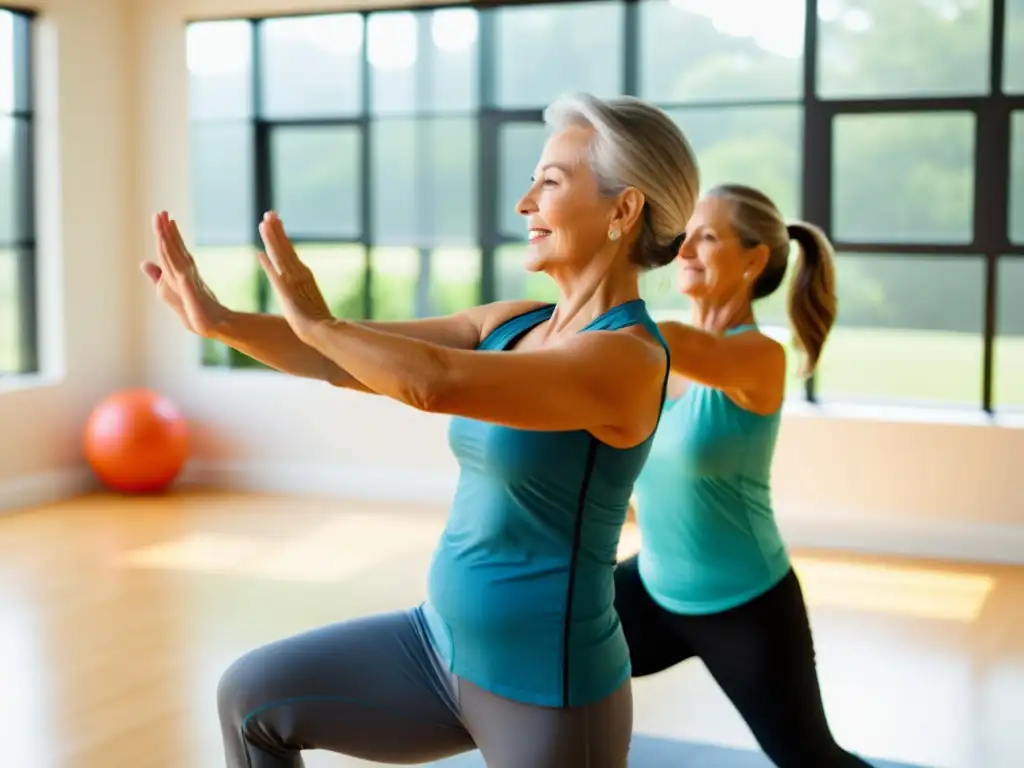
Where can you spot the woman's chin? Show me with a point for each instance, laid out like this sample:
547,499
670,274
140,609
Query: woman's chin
535,263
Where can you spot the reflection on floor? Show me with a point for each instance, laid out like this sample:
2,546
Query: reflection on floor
117,617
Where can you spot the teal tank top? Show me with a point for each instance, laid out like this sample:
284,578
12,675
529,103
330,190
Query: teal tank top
521,587
709,537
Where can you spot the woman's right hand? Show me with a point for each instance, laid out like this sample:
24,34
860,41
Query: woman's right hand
178,283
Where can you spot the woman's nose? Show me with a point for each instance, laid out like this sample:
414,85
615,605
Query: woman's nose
526,204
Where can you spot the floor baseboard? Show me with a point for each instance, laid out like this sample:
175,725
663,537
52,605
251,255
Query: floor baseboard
976,542
18,493
369,483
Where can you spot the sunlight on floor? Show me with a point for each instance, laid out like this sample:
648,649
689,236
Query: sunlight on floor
352,543
901,590
331,552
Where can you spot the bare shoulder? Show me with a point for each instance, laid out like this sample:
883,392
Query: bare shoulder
771,350
628,354
752,342
487,317
767,357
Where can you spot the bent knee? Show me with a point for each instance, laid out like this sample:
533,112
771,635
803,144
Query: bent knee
245,686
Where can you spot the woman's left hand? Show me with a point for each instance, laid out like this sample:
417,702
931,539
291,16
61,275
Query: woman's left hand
302,304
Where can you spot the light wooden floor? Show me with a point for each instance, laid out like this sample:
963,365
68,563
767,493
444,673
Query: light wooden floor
117,618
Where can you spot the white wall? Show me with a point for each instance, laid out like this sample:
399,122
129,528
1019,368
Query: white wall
86,114
900,481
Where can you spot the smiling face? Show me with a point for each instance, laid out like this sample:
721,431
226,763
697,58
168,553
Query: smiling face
713,263
567,218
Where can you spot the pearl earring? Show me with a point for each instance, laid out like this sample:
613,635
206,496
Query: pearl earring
613,234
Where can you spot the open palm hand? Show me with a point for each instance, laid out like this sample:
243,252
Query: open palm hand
178,283
302,304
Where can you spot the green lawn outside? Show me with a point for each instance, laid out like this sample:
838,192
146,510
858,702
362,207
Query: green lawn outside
858,364
10,326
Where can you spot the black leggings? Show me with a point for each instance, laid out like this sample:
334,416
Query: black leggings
760,653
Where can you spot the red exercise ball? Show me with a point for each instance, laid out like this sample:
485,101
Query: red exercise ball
136,441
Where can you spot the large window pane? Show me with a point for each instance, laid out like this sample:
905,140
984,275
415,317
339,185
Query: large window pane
10,313
231,273
1013,62
879,48
6,62
219,57
729,50
396,277
424,181
315,177
340,271
423,61
757,146
903,178
515,282
222,183
546,50
1017,178
21,29
909,328
417,282
312,66
13,176
454,280
520,147
1009,346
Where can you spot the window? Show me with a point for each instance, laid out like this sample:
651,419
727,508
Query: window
18,328
396,144
723,51
912,48
543,51
900,178
760,146
1009,350
1013,47
909,328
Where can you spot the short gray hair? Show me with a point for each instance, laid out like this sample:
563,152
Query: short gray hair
636,144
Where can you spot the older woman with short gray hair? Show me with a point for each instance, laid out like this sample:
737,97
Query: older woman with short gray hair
517,649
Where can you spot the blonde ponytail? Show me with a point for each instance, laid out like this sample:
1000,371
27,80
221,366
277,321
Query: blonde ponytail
812,293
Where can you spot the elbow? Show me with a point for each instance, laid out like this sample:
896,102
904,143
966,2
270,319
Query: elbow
429,386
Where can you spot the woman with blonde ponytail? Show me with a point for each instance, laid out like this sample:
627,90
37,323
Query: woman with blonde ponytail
713,579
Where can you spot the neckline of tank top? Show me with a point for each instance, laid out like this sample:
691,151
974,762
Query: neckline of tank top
548,310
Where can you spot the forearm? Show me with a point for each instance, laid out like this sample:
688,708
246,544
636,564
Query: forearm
269,339
405,369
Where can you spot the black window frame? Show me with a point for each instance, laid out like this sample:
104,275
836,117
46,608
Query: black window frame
992,113
24,242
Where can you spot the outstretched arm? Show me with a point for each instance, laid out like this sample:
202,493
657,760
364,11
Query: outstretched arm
604,382
751,367
566,387
269,339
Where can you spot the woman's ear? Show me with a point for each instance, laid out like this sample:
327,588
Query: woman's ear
757,259
628,209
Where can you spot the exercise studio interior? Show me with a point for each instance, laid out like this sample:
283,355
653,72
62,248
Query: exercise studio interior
513,384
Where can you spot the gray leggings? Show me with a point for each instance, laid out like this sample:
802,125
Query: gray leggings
373,688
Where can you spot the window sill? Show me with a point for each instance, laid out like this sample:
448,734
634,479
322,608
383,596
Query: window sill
20,382
904,414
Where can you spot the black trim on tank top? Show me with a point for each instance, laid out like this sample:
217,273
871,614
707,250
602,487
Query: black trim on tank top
588,472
